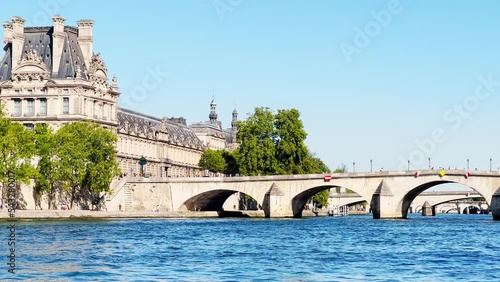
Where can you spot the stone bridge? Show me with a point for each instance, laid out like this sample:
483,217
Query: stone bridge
434,198
390,194
439,201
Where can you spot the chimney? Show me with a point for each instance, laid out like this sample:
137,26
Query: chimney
57,42
85,39
7,31
17,36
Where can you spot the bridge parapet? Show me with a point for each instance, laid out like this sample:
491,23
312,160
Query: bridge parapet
400,187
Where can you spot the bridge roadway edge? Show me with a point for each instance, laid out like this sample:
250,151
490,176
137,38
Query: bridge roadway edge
168,194
402,183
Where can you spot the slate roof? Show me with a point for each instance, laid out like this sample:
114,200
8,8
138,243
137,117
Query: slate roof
40,40
209,127
6,64
178,134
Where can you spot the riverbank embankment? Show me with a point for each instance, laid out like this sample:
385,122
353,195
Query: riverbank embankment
82,214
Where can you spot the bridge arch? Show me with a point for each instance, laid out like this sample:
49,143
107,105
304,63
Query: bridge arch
413,193
460,205
451,209
473,209
212,200
299,201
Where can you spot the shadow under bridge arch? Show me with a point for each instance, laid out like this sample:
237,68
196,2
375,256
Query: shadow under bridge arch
412,194
300,200
214,200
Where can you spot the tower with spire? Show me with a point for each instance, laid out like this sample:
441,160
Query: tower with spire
213,112
234,122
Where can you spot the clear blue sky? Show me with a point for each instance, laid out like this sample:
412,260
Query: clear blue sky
405,77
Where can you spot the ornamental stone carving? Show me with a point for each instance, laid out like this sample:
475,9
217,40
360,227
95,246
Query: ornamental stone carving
32,57
31,68
97,70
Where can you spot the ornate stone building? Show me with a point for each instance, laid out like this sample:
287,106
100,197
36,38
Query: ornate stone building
51,75
211,133
168,145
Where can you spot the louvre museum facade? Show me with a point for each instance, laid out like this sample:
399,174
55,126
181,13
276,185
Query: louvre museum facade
51,75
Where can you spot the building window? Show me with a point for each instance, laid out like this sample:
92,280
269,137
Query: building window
94,109
29,126
65,91
16,92
66,105
17,107
29,107
43,106
30,92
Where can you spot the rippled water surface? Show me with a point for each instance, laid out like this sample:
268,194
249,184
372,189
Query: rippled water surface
442,248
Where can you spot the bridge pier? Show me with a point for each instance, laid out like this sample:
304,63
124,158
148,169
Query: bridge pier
276,203
427,209
384,205
495,205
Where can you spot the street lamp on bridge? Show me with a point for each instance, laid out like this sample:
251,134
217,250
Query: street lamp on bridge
429,163
371,165
408,165
467,164
491,164
353,167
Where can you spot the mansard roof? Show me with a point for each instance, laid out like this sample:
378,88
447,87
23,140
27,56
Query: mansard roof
209,127
39,39
145,126
6,64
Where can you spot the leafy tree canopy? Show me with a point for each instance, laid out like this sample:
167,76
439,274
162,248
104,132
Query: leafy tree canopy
272,144
87,158
213,161
17,147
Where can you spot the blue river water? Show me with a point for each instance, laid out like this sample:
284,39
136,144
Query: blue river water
352,248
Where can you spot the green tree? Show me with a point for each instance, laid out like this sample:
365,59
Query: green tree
321,198
313,164
17,148
88,159
48,176
102,165
274,144
318,166
257,150
212,160
230,158
341,169
291,152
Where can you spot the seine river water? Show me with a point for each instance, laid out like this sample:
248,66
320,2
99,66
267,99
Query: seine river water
357,248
